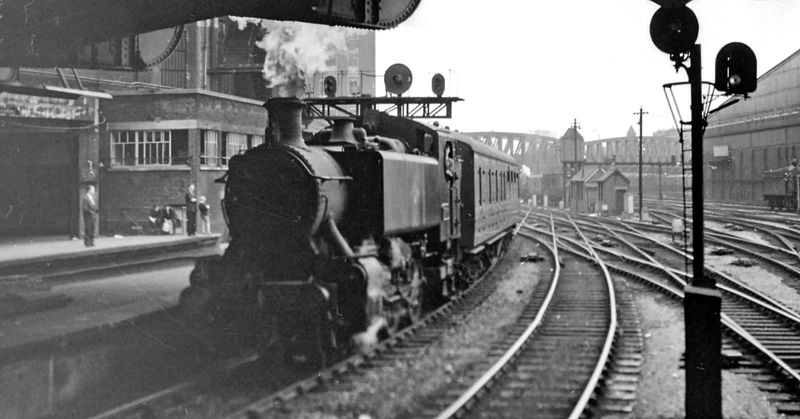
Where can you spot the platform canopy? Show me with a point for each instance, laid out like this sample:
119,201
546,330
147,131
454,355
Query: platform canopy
50,32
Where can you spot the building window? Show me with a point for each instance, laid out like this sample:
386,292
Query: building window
123,148
355,86
256,140
210,149
234,144
141,148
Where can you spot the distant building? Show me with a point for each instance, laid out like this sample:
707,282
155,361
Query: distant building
597,191
354,68
762,133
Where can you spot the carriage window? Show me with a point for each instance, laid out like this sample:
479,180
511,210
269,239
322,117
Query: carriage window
489,181
496,185
480,187
504,186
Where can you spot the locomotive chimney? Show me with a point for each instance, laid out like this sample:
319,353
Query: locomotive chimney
285,120
343,131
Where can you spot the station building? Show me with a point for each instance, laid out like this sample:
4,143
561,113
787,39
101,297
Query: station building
48,149
160,142
755,135
140,118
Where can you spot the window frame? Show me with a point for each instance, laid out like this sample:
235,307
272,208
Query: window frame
150,148
211,148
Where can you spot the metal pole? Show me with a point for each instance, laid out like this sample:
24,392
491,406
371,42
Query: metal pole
660,172
575,138
702,301
641,147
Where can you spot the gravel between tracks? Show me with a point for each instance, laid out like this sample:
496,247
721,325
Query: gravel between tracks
662,383
399,389
758,278
745,234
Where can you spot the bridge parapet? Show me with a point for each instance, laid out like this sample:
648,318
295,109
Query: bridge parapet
542,153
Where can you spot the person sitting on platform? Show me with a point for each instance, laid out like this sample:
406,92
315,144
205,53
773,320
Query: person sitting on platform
154,220
167,215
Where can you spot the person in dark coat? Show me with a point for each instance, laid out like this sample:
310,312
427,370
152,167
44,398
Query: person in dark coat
89,209
154,227
191,210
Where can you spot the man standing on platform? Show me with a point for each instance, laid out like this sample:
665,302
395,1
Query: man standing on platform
89,208
191,210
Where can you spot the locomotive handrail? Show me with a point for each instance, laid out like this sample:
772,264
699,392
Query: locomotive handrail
491,374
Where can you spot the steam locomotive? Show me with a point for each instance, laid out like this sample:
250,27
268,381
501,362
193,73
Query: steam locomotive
354,229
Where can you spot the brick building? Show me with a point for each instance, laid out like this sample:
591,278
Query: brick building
598,190
159,142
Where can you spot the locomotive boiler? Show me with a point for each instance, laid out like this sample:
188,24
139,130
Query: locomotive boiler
353,229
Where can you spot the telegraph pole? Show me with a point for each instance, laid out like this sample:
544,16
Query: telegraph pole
575,127
641,113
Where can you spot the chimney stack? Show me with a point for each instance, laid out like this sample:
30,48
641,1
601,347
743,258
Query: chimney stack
285,115
343,131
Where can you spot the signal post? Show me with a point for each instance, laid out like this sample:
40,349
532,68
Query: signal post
674,31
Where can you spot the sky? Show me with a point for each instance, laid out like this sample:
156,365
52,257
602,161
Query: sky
532,65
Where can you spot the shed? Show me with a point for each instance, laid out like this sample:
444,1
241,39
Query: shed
612,187
598,190
583,191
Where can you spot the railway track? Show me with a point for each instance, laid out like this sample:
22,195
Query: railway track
647,247
782,228
777,258
556,352
767,331
211,392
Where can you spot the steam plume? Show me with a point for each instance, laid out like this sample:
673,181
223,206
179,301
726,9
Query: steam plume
295,51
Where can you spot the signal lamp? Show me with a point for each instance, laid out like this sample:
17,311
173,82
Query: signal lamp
674,29
735,69
329,86
397,79
437,84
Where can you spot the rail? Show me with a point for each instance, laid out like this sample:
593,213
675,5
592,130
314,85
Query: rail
612,329
726,321
491,374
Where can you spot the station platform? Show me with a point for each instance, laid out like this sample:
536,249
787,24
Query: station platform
33,268
58,255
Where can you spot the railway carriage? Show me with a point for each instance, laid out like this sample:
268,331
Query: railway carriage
353,230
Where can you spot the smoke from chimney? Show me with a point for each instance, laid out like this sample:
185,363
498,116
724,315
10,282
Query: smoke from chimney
295,51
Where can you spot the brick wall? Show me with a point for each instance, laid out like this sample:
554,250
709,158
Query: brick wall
128,196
